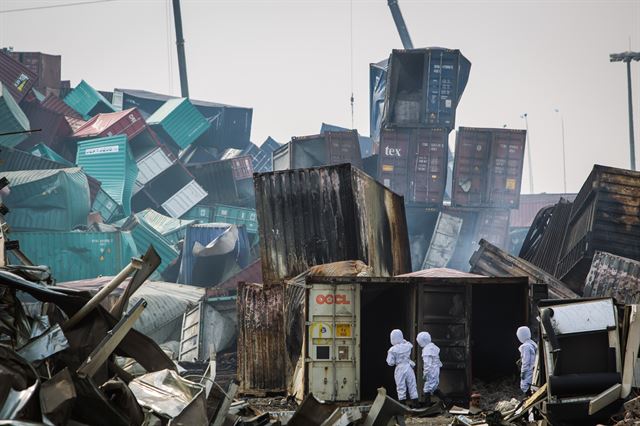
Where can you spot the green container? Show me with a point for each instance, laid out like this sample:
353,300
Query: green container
12,119
237,216
173,230
87,101
42,150
202,214
110,161
78,255
144,235
180,121
108,208
47,199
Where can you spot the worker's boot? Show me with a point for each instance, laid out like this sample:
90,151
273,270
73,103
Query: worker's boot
427,400
414,403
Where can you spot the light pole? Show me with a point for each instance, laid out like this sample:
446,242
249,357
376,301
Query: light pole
564,158
526,124
628,57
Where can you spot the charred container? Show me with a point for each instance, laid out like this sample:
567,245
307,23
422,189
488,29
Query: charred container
326,149
604,217
413,163
487,168
308,217
423,87
226,181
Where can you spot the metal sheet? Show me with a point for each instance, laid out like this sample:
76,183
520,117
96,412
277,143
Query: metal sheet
179,121
443,241
12,119
613,276
328,148
128,122
46,67
17,78
86,101
218,180
184,199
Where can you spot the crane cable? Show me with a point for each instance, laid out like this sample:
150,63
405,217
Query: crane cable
351,54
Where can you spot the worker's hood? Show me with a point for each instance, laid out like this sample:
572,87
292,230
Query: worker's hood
396,337
523,334
402,348
423,339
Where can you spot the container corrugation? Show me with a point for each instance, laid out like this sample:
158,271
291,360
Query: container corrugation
78,255
12,119
110,161
44,151
55,104
493,226
108,208
202,234
12,159
413,163
217,179
46,67
180,121
170,228
261,338
236,216
128,122
86,101
152,164
183,200
326,149
613,276
145,235
199,213
53,126
242,167
327,214
17,78
366,143
55,200
487,170
261,156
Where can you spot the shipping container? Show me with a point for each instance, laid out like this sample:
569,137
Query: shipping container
178,122
236,216
326,149
200,213
87,102
443,241
313,216
230,125
109,209
17,78
55,104
46,67
487,169
261,334
493,225
377,90
12,119
173,230
152,164
280,158
128,122
367,146
12,159
613,276
56,200
413,163
423,87
110,161
604,217
78,255
173,190
144,236
261,156
226,181
54,127
44,151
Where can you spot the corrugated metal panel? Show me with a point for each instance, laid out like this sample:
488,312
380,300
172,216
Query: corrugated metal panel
110,161
493,226
152,165
236,216
261,156
47,199
202,234
54,126
487,170
180,121
183,200
604,217
87,101
261,348
144,236
17,78
413,163
78,255
443,241
46,67
325,149
250,274
42,150
614,276
200,213
12,159
128,122
108,208
423,87
172,229
242,168
313,216
55,104
367,146
217,178
12,119
531,204
441,273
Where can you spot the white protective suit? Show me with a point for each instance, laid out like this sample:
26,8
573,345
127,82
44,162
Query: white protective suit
399,355
430,361
528,351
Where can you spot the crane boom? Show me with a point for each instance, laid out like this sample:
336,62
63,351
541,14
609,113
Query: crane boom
400,25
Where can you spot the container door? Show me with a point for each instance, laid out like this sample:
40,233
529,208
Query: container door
470,171
190,338
443,241
493,226
445,311
507,160
394,159
333,342
343,147
429,172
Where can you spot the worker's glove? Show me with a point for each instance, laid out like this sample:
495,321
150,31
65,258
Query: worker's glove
523,375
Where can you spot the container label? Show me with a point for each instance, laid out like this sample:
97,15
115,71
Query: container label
102,150
343,330
329,299
20,82
511,184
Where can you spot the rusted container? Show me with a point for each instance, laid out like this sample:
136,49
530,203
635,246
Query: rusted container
226,181
604,217
54,103
423,87
128,122
413,163
46,67
308,217
493,226
325,149
55,127
487,168
17,78
613,276
261,337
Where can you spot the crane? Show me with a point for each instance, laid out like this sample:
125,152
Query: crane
400,25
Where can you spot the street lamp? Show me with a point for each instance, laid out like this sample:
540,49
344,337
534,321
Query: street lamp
628,57
564,158
526,124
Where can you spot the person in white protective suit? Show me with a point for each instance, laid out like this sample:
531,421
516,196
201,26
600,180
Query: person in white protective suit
528,351
399,355
431,365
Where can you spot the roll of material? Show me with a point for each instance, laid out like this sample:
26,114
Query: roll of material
582,384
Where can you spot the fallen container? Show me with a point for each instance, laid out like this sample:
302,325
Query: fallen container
87,102
17,78
12,119
178,122
326,149
226,181
47,69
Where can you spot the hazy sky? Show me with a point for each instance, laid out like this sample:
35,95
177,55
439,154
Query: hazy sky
291,62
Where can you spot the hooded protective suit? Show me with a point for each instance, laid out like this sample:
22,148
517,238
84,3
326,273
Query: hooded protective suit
528,351
399,355
430,361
